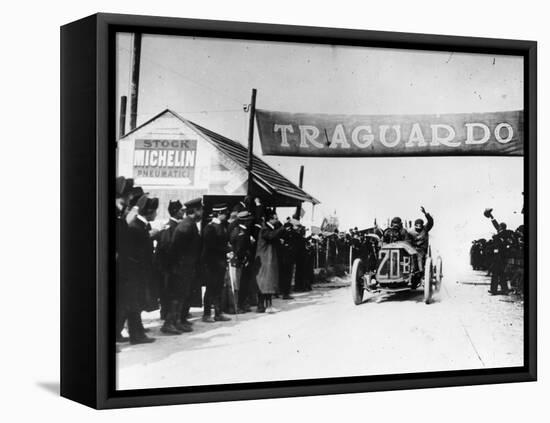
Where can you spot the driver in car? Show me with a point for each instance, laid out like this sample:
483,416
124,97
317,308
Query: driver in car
396,232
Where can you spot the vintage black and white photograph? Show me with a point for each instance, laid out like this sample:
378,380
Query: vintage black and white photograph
290,211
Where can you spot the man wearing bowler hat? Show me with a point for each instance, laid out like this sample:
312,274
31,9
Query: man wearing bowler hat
124,189
140,266
133,197
215,253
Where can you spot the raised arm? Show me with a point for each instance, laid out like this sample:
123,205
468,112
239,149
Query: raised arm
429,221
488,213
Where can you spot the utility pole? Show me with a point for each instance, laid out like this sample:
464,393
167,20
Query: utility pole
134,87
252,113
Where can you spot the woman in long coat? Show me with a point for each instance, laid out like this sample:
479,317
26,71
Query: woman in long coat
267,261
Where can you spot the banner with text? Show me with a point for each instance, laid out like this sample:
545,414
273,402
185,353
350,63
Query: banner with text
453,134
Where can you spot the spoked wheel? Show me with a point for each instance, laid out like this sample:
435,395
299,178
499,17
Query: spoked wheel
357,283
428,280
438,272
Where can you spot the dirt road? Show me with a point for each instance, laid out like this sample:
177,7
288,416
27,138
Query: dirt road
323,334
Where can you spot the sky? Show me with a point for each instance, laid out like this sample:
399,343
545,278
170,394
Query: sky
208,81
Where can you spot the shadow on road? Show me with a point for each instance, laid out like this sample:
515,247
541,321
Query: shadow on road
207,335
416,296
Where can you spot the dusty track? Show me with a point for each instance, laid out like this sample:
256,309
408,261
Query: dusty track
323,334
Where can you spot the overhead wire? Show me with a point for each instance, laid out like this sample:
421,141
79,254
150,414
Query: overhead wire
184,112
185,77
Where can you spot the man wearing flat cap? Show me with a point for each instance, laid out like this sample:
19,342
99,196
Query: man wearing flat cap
140,266
215,253
186,252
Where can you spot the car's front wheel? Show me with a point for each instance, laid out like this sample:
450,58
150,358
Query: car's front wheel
438,273
428,280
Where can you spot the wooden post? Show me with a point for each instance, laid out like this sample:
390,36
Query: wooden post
300,184
252,113
134,88
350,259
317,254
122,119
326,252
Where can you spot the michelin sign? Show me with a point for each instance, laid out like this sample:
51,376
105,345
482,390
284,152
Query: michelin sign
161,158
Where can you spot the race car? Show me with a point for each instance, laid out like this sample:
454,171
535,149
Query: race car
397,266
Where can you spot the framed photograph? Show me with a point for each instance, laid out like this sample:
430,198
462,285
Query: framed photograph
258,211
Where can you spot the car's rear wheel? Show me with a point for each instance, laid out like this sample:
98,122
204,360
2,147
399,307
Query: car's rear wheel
428,280
357,283
438,273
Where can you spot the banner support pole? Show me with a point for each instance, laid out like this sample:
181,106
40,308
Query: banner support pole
300,185
252,114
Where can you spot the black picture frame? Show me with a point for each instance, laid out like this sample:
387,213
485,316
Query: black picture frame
87,185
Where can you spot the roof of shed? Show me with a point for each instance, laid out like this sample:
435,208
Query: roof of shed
263,174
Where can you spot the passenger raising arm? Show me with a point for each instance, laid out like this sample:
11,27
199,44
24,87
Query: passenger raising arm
419,236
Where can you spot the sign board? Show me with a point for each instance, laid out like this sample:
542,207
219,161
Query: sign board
329,224
454,134
165,158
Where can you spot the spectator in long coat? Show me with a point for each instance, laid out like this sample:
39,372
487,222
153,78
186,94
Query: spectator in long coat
267,261
287,256
186,250
215,253
241,241
170,291
140,266
123,189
